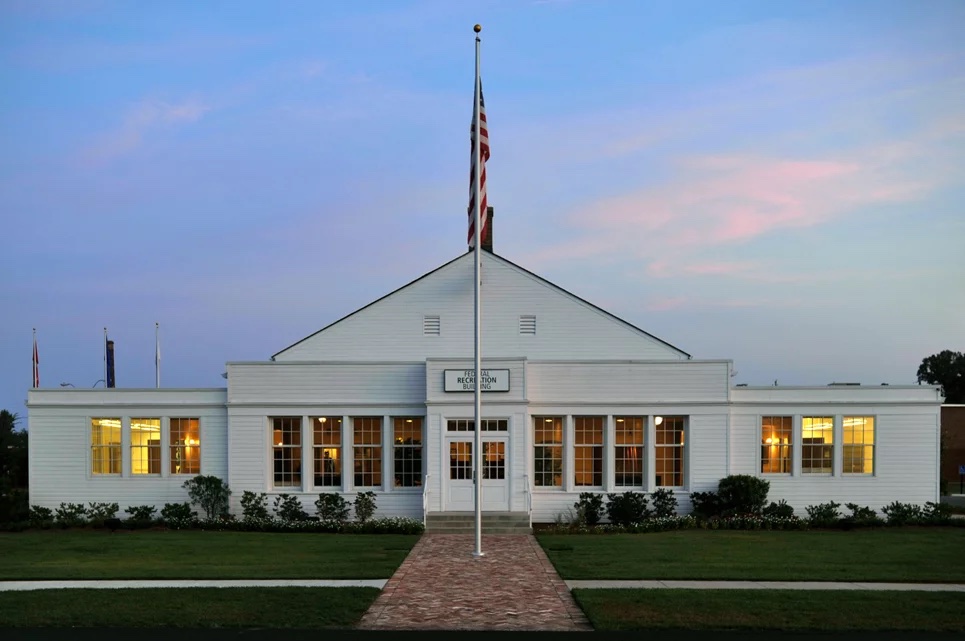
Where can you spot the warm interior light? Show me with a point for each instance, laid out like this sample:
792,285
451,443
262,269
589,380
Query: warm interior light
323,419
408,420
768,440
548,420
658,420
619,420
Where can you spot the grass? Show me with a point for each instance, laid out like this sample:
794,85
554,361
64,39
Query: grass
197,554
784,610
187,608
894,554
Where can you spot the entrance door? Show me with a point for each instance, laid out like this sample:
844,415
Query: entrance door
460,493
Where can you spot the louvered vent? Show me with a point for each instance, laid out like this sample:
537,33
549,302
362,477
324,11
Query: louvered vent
431,325
527,325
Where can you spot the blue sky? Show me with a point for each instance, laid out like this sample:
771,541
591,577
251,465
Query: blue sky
780,184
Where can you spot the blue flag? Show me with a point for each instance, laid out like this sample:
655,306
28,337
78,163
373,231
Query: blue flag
110,364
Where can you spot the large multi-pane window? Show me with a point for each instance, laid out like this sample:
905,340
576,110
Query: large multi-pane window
286,439
327,450
548,451
628,451
858,445
407,449
669,451
776,445
817,444
105,445
145,446
588,451
367,450
185,444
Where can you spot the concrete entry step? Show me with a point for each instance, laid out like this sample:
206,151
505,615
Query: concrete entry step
465,523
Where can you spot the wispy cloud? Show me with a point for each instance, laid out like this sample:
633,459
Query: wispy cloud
144,117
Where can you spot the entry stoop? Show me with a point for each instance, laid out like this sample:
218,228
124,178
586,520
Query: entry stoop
465,523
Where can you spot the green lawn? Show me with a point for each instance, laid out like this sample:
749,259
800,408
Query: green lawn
196,554
187,608
932,555
779,610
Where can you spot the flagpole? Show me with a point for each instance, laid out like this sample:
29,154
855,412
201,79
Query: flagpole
477,393
157,358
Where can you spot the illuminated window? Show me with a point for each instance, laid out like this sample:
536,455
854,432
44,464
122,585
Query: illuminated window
469,425
286,445
858,444
105,445
494,460
460,460
367,435
548,451
628,451
588,451
817,444
185,440
145,446
327,442
776,445
407,447
669,450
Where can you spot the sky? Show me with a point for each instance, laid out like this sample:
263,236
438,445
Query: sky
776,183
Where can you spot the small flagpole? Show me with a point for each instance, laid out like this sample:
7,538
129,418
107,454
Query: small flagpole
157,358
477,159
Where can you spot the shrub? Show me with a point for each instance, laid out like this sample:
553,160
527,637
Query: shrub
780,510
936,513
823,514
742,494
14,503
254,505
861,516
627,508
902,513
706,505
210,493
589,508
40,516
664,503
332,507
177,515
70,514
102,511
289,508
364,505
141,512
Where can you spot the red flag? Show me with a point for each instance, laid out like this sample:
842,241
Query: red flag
483,157
36,363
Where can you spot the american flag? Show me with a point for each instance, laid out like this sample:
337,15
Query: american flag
36,363
483,157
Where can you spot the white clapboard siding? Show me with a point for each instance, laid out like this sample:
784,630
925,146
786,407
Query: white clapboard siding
393,328
272,383
628,382
59,444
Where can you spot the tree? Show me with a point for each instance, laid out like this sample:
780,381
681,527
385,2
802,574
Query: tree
13,450
210,493
946,368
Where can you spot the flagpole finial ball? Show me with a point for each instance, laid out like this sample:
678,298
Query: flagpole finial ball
477,28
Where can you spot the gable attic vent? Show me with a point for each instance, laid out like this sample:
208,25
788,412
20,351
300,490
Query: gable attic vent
527,324
431,326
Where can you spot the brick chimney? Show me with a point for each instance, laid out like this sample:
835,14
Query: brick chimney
487,239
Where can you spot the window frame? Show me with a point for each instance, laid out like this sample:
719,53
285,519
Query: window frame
597,450
558,463
291,452
373,465
144,452
115,451
418,454
808,450
680,449
172,448
320,447
785,450
864,445
617,447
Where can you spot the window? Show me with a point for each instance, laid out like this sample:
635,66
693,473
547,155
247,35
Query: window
548,451
775,445
367,433
817,444
469,425
669,450
327,445
588,451
145,446
286,439
628,451
858,441
408,451
105,445
185,440
460,461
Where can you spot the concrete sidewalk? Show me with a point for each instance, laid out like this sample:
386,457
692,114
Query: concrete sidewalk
768,585
11,586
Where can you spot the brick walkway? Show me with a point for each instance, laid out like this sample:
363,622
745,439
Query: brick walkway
442,586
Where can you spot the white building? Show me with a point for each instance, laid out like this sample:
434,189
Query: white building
575,400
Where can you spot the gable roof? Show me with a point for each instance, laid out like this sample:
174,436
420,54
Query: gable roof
509,263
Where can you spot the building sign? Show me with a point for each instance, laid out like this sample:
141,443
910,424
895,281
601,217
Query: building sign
463,380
